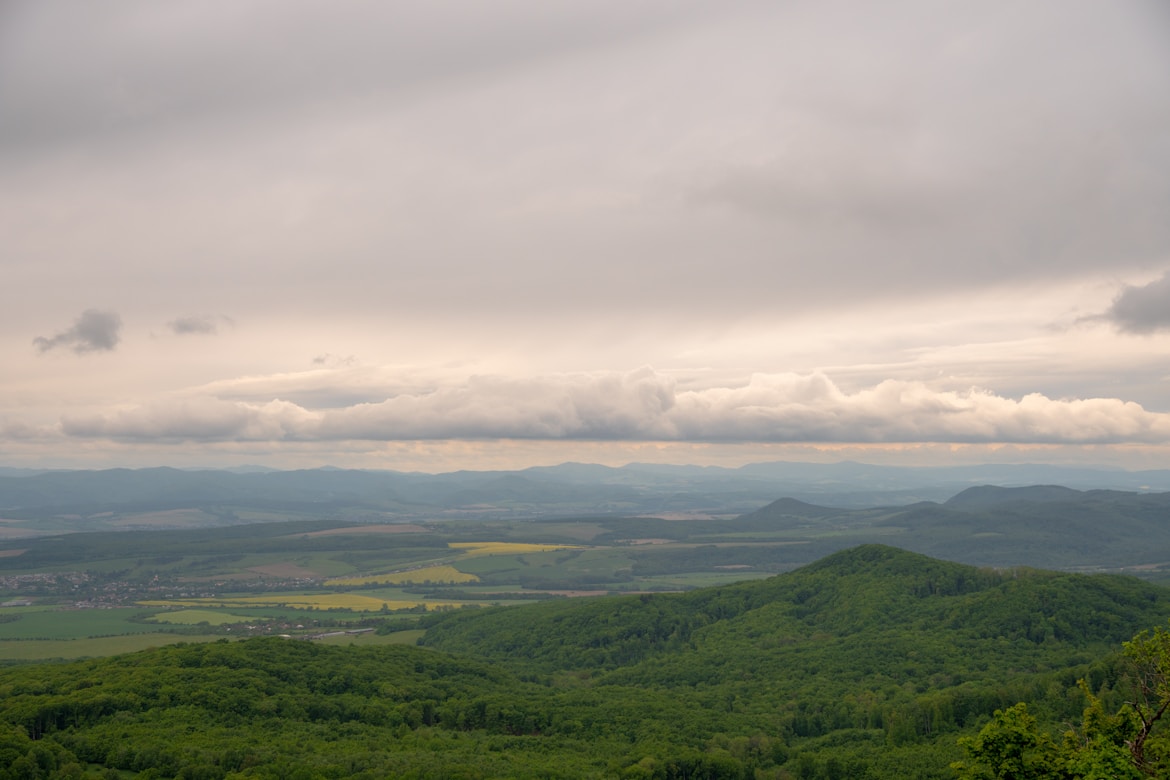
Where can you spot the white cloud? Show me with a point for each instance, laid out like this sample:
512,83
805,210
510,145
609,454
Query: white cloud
646,406
812,408
196,419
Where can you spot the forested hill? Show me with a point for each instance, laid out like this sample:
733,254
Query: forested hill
896,601
993,495
868,664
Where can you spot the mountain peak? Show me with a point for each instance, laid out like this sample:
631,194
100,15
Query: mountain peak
992,495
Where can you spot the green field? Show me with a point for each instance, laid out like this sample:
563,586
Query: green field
54,623
193,617
47,650
397,638
698,580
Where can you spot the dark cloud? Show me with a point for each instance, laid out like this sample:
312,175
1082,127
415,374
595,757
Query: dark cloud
1144,309
93,331
185,325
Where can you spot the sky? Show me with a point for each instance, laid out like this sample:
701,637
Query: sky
456,234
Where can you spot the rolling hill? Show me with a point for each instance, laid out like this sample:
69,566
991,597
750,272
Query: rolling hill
869,663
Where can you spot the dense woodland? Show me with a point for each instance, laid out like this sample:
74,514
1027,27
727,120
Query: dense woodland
871,663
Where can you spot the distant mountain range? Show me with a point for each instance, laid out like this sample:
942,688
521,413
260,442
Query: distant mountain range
1036,516
565,490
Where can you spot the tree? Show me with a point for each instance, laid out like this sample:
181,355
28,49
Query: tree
1011,747
1124,746
1148,656
1100,749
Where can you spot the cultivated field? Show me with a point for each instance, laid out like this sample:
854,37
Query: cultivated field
89,594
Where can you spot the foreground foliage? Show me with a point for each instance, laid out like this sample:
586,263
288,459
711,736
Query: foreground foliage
872,663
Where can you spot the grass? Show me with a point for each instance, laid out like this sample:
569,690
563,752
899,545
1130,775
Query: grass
192,617
325,565
436,574
584,532
172,518
286,613
701,579
45,649
495,564
408,637
57,624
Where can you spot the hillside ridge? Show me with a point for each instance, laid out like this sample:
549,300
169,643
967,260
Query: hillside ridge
870,662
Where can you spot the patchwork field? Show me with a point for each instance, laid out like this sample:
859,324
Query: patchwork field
89,594
84,592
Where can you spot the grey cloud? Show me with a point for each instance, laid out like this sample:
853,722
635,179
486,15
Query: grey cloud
93,331
647,406
18,429
1144,309
200,324
334,361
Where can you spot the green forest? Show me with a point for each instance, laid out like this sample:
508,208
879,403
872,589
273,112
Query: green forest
873,662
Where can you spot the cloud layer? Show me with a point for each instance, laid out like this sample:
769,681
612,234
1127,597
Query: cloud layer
330,226
647,406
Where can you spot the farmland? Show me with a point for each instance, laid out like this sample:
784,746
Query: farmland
308,576
75,594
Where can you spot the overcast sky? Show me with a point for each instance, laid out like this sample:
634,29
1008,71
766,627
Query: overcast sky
478,235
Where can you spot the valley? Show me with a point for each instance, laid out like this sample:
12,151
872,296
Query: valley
796,640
